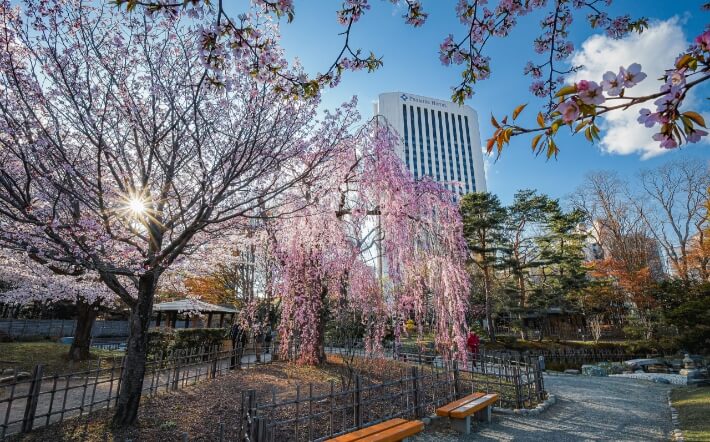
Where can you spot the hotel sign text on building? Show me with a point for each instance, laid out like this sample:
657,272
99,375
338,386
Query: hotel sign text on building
406,97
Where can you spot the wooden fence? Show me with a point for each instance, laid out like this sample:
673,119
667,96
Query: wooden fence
423,383
317,414
571,357
38,400
516,377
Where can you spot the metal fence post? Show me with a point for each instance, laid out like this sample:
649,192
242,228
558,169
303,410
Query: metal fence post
32,398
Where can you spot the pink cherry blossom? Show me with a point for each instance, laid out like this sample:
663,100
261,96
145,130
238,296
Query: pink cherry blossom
590,92
569,110
703,41
612,84
632,75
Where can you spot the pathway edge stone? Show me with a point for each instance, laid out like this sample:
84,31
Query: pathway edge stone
540,408
676,433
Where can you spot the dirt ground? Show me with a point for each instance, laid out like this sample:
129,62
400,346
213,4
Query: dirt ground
198,410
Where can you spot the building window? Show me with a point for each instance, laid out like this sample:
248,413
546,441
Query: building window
448,145
437,167
421,141
470,154
414,142
456,148
463,153
443,150
428,142
406,137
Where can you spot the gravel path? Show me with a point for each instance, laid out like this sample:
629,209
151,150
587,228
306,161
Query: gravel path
587,408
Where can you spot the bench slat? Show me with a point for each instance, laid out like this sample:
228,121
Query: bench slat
395,434
474,406
448,408
367,431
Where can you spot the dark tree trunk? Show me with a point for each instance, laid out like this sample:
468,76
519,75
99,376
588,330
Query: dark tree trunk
136,354
489,304
81,344
320,356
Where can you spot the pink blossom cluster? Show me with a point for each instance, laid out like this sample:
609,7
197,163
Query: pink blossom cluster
368,205
591,93
673,93
94,124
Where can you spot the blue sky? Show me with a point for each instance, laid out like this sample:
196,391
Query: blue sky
411,65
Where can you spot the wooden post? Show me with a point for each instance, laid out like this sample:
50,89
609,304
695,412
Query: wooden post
215,355
539,386
252,420
157,319
415,388
176,371
456,379
209,320
32,398
516,382
174,319
187,321
357,402
221,320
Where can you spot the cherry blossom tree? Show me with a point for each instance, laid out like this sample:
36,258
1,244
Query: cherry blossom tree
322,254
580,106
31,279
121,154
371,210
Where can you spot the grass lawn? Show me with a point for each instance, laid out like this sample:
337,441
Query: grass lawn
693,405
25,355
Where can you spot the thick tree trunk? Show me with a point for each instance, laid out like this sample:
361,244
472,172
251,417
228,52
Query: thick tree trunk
81,344
136,353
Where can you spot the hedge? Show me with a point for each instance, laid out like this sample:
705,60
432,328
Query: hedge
164,340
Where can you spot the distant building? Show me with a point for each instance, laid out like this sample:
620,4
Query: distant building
439,139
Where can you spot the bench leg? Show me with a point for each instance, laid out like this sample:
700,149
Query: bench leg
462,425
484,415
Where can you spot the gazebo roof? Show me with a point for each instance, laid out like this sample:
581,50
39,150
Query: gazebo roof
184,305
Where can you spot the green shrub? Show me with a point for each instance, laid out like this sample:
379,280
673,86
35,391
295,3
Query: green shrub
508,340
199,339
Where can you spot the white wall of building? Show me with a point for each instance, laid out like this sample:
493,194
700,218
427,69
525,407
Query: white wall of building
439,139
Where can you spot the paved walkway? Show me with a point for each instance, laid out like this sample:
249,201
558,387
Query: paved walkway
587,408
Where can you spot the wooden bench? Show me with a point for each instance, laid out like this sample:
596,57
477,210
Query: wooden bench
460,411
392,430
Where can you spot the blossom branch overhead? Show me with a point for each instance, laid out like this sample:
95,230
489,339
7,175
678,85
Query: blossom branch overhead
252,39
579,105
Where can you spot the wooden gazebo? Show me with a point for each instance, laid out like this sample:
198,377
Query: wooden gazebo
171,309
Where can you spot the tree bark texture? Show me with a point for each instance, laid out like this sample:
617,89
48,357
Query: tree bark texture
489,304
136,354
86,316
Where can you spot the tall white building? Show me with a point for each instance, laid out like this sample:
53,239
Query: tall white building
438,138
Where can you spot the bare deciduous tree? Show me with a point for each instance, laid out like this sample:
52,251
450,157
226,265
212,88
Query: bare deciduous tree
672,206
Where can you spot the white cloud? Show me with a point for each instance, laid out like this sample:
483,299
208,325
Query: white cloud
655,49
